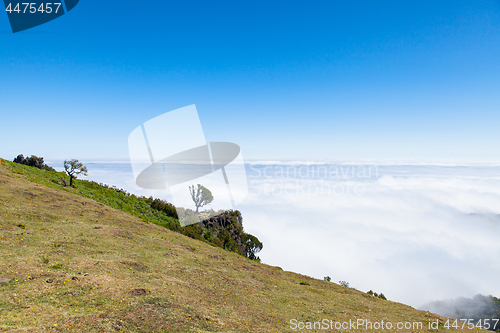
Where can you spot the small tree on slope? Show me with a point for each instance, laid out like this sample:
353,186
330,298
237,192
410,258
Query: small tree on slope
73,168
201,196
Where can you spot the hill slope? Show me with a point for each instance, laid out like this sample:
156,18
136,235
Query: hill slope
224,230
78,265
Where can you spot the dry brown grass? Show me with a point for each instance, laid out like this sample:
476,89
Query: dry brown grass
127,275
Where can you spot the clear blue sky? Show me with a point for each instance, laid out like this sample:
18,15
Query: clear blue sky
283,79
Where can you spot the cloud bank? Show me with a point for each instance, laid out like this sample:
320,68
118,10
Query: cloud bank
402,229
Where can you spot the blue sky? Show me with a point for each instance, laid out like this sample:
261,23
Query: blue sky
284,79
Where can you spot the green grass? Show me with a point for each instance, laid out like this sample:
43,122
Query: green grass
133,276
111,197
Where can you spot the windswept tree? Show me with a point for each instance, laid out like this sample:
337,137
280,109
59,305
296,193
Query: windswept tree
252,245
73,168
201,196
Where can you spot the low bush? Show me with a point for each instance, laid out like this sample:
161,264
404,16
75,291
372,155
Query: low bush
344,284
33,161
381,296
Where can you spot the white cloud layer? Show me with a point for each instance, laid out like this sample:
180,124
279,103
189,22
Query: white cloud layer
414,233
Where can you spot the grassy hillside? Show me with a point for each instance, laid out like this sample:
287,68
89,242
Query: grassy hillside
78,265
231,236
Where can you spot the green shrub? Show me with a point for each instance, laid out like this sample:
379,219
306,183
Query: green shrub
381,296
128,208
194,231
208,235
165,207
252,244
227,241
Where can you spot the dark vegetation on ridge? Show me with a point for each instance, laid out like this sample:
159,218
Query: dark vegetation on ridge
33,161
224,230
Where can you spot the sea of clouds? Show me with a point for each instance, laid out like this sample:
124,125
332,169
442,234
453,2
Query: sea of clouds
416,233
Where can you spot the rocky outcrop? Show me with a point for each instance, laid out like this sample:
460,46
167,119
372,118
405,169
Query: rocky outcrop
226,231
223,221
